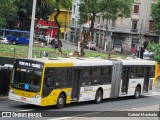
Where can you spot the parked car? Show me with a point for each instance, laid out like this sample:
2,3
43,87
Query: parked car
42,38
54,43
148,55
92,46
4,40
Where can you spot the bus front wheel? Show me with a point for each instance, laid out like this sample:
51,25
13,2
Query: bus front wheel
137,92
61,101
98,97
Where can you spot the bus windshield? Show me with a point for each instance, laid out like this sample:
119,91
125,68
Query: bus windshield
27,79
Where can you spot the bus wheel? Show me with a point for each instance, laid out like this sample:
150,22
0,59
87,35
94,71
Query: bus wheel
14,42
61,101
98,97
137,92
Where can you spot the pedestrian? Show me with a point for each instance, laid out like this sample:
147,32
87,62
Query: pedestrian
45,43
45,54
109,56
42,44
121,50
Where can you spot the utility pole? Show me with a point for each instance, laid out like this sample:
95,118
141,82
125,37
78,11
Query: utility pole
140,39
32,29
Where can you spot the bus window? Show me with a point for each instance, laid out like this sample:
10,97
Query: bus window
140,71
86,79
49,79
61,77
96,75
106,75
137,72
152,72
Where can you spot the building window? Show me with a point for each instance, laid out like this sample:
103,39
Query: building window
136,9
134,25
74,9
151,25
113,23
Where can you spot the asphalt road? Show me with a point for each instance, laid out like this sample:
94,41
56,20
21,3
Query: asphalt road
106,105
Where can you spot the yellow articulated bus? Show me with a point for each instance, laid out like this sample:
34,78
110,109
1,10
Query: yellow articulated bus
60,81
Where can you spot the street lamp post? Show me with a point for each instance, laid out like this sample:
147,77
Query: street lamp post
32,29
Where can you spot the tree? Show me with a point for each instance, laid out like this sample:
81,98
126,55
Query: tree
8,11
88,9
112,9
155,48
60,4
155,10
108,9
44,8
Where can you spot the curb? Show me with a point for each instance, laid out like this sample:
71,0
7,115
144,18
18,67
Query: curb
3,97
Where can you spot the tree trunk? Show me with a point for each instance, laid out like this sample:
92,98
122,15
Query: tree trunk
59,26
92,26
83,44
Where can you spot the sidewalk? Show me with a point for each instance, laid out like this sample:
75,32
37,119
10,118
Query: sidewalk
101,50
2,98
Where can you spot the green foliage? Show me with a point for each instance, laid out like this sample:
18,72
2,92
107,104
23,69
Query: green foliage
153,47
66,4
155,10
111,9
2,23
8,11
87,8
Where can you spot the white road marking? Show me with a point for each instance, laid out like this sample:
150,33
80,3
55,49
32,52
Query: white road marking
27,110
153,94
62,118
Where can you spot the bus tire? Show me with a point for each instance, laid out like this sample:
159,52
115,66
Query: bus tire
98,97
61,101
137,92
14,42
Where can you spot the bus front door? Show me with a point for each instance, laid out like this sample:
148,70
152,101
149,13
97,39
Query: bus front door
146,79
76,84
125,80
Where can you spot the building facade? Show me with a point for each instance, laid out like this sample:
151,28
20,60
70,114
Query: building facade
126,34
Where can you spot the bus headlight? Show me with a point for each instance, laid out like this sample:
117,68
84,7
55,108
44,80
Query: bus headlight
11,91
36,96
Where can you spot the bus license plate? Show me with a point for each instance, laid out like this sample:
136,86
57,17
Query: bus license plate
22,98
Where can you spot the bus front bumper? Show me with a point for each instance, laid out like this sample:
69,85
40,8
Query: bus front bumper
34,100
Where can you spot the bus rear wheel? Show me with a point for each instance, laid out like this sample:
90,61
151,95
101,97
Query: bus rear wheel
137,92
61,101
98,97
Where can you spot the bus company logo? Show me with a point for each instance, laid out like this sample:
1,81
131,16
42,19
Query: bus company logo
86,89
6,114
19,114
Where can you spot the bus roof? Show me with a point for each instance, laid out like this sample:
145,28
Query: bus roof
75,61
131,61
15,31
93,61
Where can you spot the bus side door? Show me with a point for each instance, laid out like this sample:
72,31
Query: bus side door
125,80
146,79
76,84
